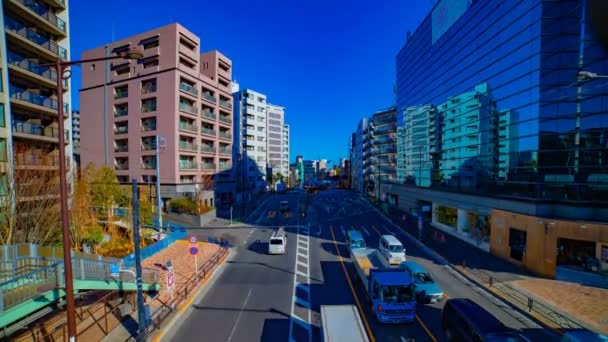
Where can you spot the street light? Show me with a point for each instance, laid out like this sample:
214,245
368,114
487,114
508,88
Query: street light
62,68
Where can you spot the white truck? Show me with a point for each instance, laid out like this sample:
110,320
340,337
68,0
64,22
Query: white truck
390,289
342,323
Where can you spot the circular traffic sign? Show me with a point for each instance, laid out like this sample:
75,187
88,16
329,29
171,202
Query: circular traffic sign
170,279
194,250
193,239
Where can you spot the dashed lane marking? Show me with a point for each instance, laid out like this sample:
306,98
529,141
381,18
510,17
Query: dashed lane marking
238,318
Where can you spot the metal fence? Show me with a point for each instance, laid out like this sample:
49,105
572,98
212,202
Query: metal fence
177,233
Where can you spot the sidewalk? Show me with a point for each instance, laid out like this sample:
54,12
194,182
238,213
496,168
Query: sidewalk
556,304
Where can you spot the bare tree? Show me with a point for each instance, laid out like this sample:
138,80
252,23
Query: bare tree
29,202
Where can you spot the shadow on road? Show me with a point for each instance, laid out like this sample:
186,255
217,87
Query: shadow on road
259,247
275,330
329,247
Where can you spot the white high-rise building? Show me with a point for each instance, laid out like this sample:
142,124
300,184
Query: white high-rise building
276,118
285,158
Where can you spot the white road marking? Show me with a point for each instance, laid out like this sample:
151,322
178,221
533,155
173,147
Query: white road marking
302,259
238,318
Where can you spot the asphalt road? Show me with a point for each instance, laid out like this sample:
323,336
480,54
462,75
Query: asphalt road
257,297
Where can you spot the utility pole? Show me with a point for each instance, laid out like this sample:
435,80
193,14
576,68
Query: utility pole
141,315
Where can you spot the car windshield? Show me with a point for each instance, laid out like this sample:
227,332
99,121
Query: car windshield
357,243
395,248
397,294
423,278
276,241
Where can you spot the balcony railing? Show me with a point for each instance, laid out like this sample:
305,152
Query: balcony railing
224,150
148,127
225,166
188,146
24,63
185,107
121,166
121,130
148,88
209,97
149,146
121,148
208,166
44,12
34,129
207,148
225,135
121,111
225,119
121,93
208,114
188,88
13,25
36,159
208,131
187,126
225,104
188,165
148,165
33,98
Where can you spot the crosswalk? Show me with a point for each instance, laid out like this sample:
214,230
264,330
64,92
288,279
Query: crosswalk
300,326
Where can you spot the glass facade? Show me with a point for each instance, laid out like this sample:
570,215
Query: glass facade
493,104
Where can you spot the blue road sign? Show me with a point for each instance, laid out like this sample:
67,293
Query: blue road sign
194,250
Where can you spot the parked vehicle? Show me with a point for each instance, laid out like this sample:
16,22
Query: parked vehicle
277,244
390,290
392,249
464,320
342,323
427,290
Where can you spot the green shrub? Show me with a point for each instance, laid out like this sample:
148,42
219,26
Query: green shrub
184,205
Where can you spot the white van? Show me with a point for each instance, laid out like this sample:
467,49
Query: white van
392,249
277,242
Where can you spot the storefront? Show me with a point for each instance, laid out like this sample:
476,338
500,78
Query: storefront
553,248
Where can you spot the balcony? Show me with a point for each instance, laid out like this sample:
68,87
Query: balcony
208,114
225,135
224,150
26,98
225,166
208,131
52,22
38,132
208,166
40,73
121,130
148,165
188,165
188,146
121,166
207,148
225,119
121,93
37,161
148,145
121,148
188,108
121,111
49,47
148,126
207,96
225,104
185,126
188,88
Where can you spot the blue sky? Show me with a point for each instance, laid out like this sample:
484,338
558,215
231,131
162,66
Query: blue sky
329,62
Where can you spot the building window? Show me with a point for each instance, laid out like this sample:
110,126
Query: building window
121,69
123,48
121,92
188,44
150,62
261,139
148,86
3,150
148,105
517,243
186,63
148,124
150,43
121,110
2,118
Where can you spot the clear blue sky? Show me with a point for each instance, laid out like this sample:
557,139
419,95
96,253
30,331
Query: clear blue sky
329,62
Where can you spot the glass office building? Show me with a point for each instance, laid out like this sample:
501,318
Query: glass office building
489,101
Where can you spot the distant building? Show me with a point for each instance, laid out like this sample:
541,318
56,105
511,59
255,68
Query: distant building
76,137
310,170
300,170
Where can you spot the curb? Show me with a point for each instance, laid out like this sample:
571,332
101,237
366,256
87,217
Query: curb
432,253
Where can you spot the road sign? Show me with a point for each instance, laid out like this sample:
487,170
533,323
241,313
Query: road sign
114,270
194,250
193,239
170,280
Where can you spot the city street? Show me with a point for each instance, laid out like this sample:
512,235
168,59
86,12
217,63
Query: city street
254,298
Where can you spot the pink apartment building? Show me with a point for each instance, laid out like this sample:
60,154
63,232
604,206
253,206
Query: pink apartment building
174,92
